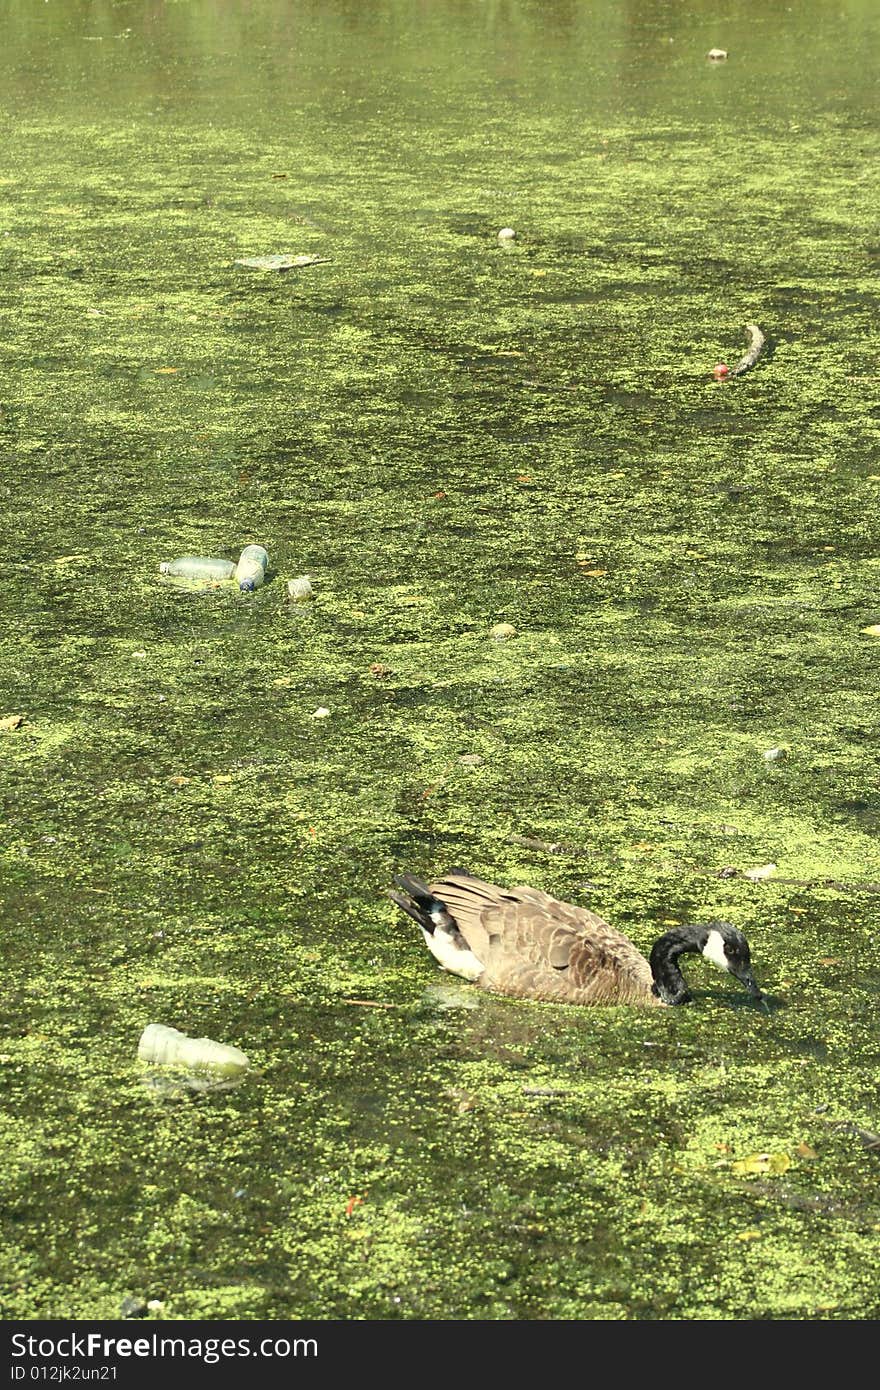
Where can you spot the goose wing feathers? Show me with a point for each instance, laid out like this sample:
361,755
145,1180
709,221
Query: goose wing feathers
535,946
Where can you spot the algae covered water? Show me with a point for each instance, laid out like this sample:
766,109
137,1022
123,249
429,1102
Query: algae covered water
206,793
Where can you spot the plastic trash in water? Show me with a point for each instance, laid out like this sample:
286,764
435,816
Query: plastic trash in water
205,567
299,590
171,1048
251,568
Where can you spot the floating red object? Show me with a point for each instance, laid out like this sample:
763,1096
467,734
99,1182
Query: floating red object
721,371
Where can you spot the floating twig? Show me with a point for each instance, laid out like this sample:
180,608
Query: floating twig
371,1004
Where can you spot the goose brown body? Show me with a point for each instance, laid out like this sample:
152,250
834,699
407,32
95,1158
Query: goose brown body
536,947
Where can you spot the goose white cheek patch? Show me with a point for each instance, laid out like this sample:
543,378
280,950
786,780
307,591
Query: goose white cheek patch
714,950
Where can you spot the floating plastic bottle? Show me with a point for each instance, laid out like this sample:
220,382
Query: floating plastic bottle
198,567
299,590
251,568
169,1047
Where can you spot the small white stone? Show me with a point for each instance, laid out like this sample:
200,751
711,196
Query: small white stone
321,713
507,234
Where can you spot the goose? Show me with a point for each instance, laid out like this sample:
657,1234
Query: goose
521,941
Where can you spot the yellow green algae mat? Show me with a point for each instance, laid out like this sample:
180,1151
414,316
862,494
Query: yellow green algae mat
206,792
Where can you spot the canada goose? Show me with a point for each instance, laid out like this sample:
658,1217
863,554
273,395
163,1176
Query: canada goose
521,941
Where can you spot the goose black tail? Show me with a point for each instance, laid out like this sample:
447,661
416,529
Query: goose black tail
419,901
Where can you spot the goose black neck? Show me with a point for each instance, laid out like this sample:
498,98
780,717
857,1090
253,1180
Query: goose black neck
669,982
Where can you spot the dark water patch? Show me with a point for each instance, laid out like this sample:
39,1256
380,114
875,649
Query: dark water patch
863,811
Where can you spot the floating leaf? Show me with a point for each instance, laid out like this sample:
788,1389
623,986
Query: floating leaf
806,1151
594,574
11,721
166,371
762,1163
873,631
749,1235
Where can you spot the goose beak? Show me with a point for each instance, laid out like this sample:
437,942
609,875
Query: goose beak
746,978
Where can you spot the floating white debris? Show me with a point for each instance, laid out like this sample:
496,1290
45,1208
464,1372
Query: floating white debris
717,55
250,571
758,875
774,755
207,567
299,590
507,234
171,1048
321,713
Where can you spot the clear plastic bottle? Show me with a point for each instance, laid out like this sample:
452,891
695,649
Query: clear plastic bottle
198,567
251,568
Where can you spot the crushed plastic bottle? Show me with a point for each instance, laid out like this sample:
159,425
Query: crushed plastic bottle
251,568
299,590
169,1047
198,567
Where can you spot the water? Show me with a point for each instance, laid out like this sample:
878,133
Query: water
445,433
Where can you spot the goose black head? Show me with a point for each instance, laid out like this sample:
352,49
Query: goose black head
720,942
728,948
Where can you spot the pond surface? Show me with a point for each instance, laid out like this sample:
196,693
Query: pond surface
445,433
